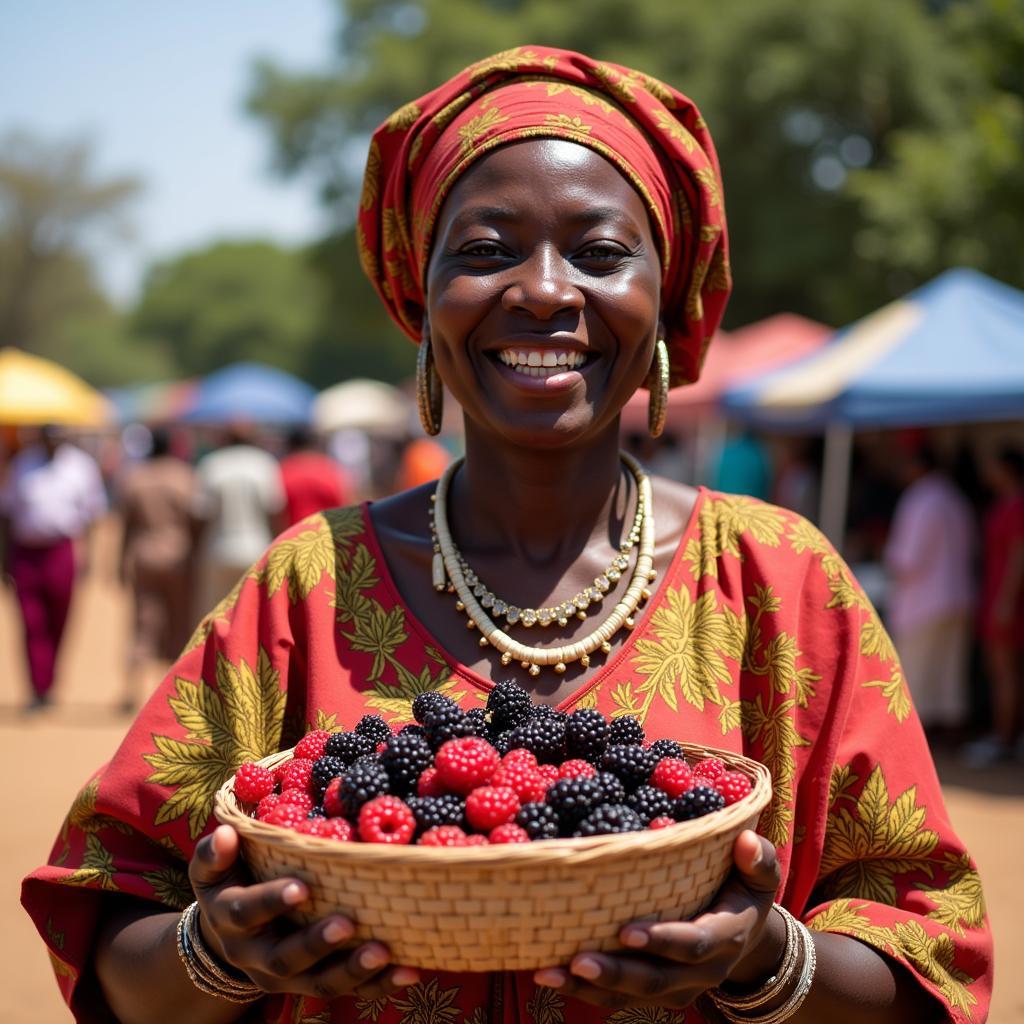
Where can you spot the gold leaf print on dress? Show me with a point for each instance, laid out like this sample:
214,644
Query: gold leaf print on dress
404,117
694,301
508,60
723,521
961,900
395,699
171,887
934,956
709,185
97,868
646,1015
371,179
476,127
894,689
546,1006
427,1003
674,130
568,122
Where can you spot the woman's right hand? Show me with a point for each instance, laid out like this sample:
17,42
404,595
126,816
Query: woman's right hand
245,925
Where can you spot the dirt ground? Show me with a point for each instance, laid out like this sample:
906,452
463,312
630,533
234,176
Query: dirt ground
45,759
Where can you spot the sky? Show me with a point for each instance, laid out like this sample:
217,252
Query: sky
160,88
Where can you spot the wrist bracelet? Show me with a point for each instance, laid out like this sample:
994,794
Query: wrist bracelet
204,971
773,987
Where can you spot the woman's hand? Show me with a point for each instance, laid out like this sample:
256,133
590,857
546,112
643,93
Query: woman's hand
244,925
734,939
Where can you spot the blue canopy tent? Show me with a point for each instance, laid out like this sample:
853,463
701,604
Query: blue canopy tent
254,393
950,352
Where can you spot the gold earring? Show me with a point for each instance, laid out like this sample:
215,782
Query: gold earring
429,392
657,386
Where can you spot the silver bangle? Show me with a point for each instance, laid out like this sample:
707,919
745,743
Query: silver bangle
203,969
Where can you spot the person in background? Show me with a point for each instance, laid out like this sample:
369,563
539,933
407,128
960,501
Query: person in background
1001,609
240,501
312,481
51,495
743,467
797,486
929,559
157,498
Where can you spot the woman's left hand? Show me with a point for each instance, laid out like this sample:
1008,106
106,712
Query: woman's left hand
678,960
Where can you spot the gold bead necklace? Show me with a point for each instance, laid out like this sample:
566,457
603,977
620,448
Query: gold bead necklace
449,574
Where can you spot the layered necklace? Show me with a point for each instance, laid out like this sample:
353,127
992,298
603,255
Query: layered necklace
452,574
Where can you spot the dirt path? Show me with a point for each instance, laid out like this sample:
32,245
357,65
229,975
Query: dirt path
50,755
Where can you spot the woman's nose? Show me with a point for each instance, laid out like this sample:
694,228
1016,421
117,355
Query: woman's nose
543,286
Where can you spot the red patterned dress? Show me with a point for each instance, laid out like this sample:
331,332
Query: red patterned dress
758,639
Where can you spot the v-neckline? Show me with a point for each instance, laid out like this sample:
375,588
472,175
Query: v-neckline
486,685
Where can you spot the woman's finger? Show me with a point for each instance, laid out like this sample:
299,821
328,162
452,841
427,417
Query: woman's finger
304,949
365,972
567,983
249,908
757,863
216,861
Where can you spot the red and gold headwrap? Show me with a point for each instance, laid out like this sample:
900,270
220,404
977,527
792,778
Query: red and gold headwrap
653,134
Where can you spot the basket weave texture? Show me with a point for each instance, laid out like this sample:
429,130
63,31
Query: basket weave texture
510,907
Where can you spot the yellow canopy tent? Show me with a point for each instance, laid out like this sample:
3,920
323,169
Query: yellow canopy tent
36,391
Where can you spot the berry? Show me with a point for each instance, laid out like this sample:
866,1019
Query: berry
348,746
297,774
444,835
253,782
576,769
326,768
476,840
520,755
432,811
662,821
538,821
328,828
386,819
573,800
733,786
650,803
362,783
544,737
521,777
443,722
510,832
317,811
547,711
610,819
413,730
374,728
626,730
697,802
427,700
631,764
466,763
501,741
490,806
429,784
612,790
311,746
332,798
508,705
710,768
586,735
266,805
672,775
548,774
287,815
297,797
668,748
406,757
475,723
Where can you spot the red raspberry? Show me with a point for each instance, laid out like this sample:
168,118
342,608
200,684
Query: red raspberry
311,746
430,784
524,779
491,806
710,768
548,774
476,840
253,782
296,774
443,835
466,763
662,821
299,797
332,800
266,805
287,815
672,775
734,786
328,828
518,755
577,768
508,833
386,819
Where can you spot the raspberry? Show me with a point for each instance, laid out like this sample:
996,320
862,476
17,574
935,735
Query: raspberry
573,800
520,756
508,705
668,748
311,746
710,768
697,802
297,797
297,774
349,746
519,776
544,737
253,782
649,803
610,819
631,764
626,730
464,764
444,835
429,784
490,806
427,700
476,840
538,821
266,805
548,774
386,819
332,799
662,821
672,776
374,728
326,768
586,735
432,811
405,759
510,832
362,783
287,815
576,769
327,828
733,786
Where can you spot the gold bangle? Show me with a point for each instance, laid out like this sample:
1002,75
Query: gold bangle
774,986
203,969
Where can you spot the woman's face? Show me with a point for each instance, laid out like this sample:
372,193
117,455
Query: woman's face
543,292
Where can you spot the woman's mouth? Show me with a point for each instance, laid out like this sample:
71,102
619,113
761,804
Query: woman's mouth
537,363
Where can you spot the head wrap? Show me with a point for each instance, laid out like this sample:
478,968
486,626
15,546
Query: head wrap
653,134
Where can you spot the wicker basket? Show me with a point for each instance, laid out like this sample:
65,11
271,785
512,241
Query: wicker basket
511,907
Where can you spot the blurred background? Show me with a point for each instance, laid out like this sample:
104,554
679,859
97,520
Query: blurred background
183,320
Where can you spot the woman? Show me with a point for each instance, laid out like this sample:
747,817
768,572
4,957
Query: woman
550,229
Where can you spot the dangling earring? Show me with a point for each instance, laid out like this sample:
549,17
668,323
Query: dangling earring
657,386
429,392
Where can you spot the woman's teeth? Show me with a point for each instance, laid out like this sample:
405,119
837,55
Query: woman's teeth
541,364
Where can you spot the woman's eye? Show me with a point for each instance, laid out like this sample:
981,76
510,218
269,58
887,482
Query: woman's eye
482,250
602,252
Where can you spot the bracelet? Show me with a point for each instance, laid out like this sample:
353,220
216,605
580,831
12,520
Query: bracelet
203,969
774,986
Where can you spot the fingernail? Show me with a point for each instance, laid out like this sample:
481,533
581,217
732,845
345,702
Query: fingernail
586,967
335,931
293,893
405,976
371,958
549,978
634,937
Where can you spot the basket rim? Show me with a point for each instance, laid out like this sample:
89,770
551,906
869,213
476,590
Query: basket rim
578,850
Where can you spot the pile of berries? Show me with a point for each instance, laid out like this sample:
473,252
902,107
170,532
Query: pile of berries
512,772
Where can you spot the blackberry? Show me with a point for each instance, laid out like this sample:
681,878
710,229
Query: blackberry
349,746
626,729
697,802
404,759
502,742
443,722
632,765
412,729
361,784
508,705
432,811
612,790
573,800
539,821
544,737
374,727
649,803
475,724
547,711
324,769
586,735
610,819
668,748
427,700
317,811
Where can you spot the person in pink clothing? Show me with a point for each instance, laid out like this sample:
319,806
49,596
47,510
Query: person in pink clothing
929,557
312,481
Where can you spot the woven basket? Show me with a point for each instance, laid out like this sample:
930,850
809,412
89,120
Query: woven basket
510,907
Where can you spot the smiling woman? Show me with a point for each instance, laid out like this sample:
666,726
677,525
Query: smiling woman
550,230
